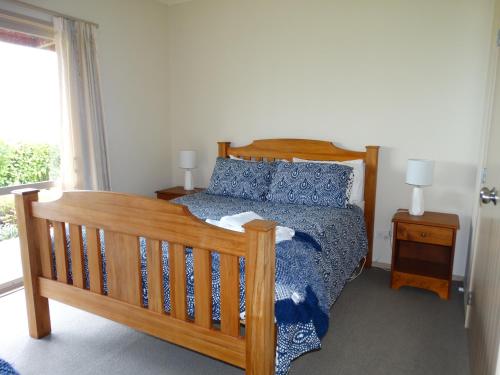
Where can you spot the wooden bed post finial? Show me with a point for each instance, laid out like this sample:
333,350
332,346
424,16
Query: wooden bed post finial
223,149
260,270
36,305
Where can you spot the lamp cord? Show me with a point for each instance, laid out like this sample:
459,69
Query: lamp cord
358,271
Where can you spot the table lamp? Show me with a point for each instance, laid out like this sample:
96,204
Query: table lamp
419,173
187,161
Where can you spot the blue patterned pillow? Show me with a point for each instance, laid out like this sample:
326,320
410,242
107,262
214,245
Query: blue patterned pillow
241,179
312,184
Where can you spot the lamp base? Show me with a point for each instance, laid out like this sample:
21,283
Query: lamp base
417,202
188,180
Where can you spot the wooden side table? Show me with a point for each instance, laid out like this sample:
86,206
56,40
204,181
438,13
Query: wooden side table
175,192
423,249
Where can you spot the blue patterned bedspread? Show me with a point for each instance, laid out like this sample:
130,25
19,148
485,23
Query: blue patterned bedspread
311,269
309,278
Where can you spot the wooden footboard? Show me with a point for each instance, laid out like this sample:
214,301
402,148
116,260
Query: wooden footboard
124,219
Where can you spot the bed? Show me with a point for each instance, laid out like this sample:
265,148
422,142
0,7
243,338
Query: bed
106,253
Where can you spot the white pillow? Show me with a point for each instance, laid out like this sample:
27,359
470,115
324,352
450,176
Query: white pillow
358,184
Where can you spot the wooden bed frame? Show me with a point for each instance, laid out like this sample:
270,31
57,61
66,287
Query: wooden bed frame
124,218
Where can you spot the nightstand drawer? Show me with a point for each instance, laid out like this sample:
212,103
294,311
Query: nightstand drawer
425,234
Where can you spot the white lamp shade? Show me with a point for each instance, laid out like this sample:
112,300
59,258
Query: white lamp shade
187,159
420,172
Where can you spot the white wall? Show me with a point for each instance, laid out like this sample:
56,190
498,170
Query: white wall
406,75
133,65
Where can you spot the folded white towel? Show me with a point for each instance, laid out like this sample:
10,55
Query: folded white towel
236,222
240,219
284,233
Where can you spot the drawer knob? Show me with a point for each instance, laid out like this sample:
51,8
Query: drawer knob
423,234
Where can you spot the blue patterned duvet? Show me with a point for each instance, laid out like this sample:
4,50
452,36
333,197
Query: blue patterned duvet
309,278
311,269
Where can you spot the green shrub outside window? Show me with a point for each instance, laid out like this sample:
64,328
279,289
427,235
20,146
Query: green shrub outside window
23,164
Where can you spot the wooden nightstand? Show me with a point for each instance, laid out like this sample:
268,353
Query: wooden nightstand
423,248
175,192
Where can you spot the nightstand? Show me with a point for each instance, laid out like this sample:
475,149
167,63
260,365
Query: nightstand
175,192
423,248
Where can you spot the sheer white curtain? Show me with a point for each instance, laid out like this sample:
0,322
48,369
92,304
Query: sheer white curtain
84,162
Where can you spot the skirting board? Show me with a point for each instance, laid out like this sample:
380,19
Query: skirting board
387,267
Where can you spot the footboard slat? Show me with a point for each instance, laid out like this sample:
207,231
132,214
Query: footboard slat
177,264
230,295
60,251
202,287
76,245
123,267
46,262
94,260
155,279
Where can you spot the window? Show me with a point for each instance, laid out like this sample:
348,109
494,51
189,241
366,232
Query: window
29,127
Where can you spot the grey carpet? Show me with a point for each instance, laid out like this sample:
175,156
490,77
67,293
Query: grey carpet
373,330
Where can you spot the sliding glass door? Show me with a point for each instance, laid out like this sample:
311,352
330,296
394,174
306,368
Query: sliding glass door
29,129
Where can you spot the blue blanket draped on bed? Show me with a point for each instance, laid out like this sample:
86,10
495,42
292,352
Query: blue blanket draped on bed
311,269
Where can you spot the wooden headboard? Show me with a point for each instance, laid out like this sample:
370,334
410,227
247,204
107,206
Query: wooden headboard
271,149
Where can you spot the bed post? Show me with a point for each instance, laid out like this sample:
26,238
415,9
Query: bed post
37,306
371,166
223,149
260,271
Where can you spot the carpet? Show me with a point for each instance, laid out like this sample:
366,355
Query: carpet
6,369
374,330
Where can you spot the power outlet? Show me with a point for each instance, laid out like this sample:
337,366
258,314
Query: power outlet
383,235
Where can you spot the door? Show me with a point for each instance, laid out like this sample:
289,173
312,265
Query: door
483,314
29,127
